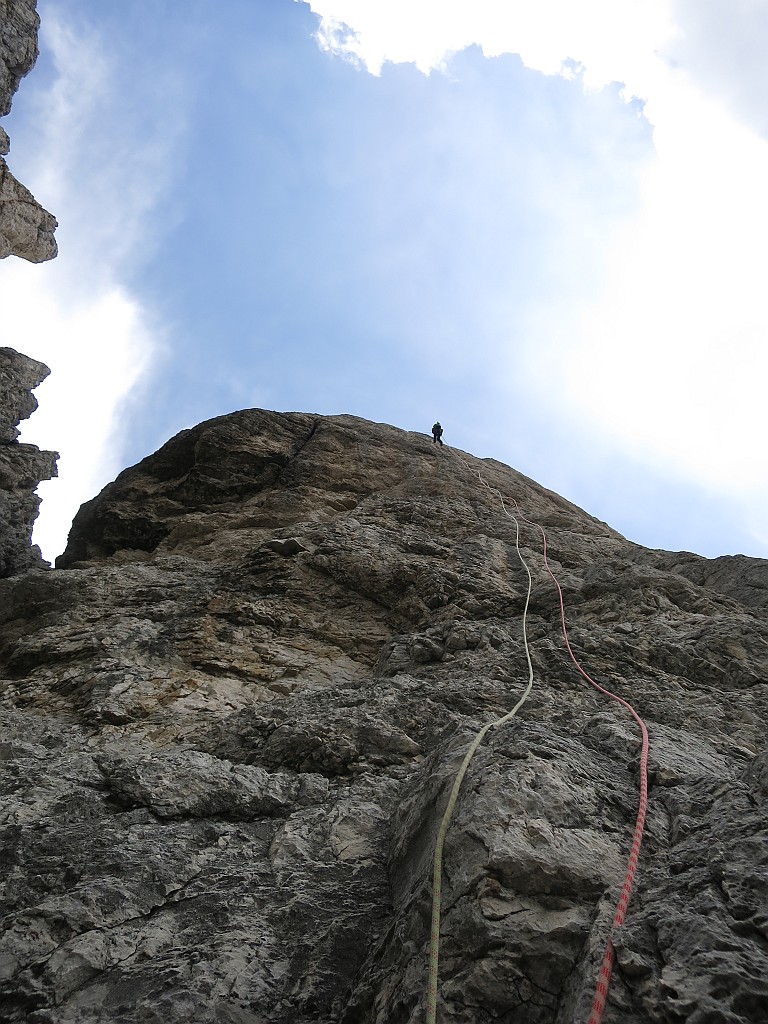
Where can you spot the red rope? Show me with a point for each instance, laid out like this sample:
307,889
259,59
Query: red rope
606,968
604,978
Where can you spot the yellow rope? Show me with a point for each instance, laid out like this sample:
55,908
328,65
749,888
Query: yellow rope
434,944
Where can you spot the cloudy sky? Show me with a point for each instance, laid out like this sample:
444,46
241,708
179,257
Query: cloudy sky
544,223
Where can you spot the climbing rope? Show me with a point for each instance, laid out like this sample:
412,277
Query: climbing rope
437,873
606,969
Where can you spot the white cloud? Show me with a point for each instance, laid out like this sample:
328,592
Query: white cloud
97,346
673,357
614,40
723,49
103,178
669,364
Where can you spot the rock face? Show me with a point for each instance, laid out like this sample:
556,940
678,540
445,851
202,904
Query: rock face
22,466
19,25
26,229
234,711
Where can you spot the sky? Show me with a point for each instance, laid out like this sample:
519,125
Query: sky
542,223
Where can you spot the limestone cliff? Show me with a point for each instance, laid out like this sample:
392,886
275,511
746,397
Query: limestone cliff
22,466
233,713
26,229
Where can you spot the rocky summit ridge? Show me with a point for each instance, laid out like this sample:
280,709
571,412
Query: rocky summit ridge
233,713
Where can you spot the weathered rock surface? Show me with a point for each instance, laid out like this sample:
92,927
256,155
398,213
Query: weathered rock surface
233,713
19,24
22,466
26,229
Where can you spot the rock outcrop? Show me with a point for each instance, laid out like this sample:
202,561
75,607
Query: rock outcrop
234,711
22,466
26,229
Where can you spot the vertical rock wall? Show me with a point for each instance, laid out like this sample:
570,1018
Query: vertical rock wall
22,466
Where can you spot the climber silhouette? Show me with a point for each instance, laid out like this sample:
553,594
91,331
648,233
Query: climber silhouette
437,433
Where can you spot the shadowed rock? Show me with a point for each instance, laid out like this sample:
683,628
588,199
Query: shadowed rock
22,466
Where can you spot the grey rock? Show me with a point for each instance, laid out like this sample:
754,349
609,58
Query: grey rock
26,229
19,24
231,717
19,376
234,712
22,466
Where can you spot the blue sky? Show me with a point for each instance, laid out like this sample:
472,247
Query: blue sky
546,231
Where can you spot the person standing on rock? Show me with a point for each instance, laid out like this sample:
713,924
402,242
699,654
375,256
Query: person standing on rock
437,433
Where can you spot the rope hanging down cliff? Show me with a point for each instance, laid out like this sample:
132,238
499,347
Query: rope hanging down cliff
604,978
606,968
437,874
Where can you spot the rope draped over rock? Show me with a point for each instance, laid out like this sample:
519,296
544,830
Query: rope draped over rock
434,945
606,968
